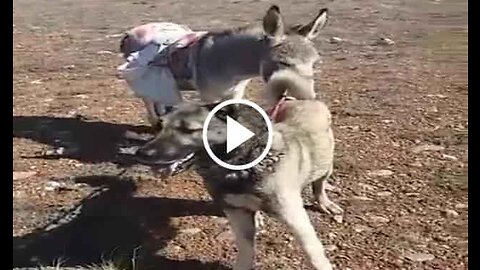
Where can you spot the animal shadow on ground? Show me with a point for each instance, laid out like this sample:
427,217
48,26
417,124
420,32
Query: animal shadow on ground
85,141
115,226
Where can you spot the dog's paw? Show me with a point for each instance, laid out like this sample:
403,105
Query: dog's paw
330,208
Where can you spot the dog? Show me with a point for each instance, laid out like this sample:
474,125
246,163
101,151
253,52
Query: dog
301,154
219,65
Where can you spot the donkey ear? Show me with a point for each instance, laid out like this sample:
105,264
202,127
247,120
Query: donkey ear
273,22
311,30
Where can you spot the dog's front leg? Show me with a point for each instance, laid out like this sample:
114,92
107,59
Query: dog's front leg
293,213
243,226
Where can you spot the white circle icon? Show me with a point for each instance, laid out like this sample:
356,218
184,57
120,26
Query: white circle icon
237,134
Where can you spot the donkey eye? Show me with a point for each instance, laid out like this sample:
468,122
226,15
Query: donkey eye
185,128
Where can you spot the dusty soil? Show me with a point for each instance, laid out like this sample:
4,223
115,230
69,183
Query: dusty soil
400,121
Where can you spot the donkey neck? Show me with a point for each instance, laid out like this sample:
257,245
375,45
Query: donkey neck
234,54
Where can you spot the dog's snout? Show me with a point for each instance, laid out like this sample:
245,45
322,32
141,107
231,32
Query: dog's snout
146,153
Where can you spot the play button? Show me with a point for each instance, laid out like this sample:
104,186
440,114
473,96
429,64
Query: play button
236,134
254,126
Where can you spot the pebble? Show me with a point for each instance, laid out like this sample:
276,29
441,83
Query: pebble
379,219
450,213
461,206
82,96
361,198
445,156
338,218
191,231
427,147
53,186
360,228
366,186
385,42
330,248
419,257
105,52
384,193
36,82
226,236
335,40
380,173
22,175
220,220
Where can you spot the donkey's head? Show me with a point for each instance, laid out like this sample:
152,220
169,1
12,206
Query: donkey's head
289,66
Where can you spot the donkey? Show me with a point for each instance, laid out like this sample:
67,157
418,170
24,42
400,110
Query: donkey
219,65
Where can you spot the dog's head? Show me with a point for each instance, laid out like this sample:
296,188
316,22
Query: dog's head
180,133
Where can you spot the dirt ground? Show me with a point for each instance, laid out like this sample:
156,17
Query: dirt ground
400,121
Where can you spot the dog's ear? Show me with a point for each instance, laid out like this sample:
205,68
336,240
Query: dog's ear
312,29
273,22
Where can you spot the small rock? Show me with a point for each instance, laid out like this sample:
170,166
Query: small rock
380,173
366,186
461,206
384,193
361,198
36,82
72,113
177,248
54,186
114,36
82,96
427,147
419,257
338,218
335,40
445,156
190,231
220,221
385,42
432,109
387,121
105,52
360,228
438,96
22,175
450,213
379,219
417,164
330,248
226,236
69,67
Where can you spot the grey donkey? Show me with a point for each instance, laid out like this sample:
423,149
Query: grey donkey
219,65
301,154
